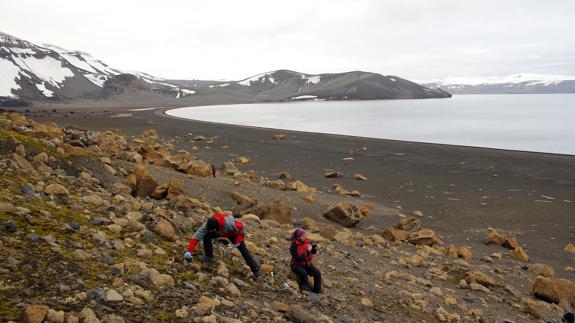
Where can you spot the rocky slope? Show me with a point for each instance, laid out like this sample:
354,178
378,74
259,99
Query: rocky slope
48,73
514,84
94,225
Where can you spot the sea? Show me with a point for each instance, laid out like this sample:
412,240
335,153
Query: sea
526,122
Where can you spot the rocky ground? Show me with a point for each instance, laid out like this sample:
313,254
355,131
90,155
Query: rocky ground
94,225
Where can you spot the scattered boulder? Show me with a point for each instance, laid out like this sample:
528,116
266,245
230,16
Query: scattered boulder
308,224
570,248
333,174
230,168
395,235
475,276
35,313
301,187
360,177
276,185
542,270
424,237
243,160
409,224
500,239
465,253
328,232
56,189
520,254
141,182
286,176
166,230
244,201
553,290
279,136
273,210
344,213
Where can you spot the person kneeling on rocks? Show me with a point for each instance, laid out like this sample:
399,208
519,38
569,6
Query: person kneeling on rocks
222,225
302,251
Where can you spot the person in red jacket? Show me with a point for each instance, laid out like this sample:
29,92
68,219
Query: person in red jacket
302,251
222,225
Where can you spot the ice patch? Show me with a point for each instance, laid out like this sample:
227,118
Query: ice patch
8,74
188,92
302,97
392,79
42,87
315,79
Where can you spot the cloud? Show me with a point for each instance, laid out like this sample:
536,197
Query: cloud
234,39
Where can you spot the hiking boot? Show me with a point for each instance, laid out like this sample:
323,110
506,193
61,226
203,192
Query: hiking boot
207,259
257,273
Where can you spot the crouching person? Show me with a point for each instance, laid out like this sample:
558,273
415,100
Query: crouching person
222,225
302,251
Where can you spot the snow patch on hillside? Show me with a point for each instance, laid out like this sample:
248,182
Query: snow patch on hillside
45,91
313,79
304,97
8,77
48,69
546,79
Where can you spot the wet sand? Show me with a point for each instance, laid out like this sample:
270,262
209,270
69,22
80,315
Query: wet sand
460,190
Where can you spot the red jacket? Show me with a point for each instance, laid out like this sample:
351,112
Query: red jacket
300,255
228,227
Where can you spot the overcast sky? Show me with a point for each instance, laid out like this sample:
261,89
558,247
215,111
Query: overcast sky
233,39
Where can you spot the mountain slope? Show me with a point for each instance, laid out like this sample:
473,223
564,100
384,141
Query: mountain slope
290,85
523,83
30,72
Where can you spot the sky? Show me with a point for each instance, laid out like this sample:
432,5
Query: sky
231,39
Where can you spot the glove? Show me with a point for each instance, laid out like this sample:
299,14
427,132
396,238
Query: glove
236,245
188,255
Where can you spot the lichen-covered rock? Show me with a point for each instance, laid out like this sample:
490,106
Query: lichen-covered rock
141,182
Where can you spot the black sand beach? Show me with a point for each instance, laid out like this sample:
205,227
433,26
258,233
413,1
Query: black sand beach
460,190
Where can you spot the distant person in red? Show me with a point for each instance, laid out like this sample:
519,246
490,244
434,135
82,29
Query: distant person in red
222,225
213,170
302,251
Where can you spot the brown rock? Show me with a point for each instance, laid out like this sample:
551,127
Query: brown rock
281,307
109,170
409,224
141,182
267,268
542,270
230,168
56,189
344,213
328,232
21,150
520,254
243,160
286,176
424,237
333,174
198,168
273,210
23,163
308,224
243,201
276,185
279,136
500,239
475,276
570,248
309,198
166,230
465,253
558,291
35,313
395,235
301,187
360,177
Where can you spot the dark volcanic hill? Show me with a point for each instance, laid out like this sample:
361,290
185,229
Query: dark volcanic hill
47,73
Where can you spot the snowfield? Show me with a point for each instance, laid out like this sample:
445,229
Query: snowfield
9,73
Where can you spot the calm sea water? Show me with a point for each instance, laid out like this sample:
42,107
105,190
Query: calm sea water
531,122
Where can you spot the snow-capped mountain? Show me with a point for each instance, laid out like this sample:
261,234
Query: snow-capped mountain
524,83
48,72
36,73
290,85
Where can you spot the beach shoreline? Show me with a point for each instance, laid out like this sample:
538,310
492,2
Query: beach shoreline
460,190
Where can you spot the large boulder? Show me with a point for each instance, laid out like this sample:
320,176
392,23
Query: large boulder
424,237
230,168
409,224
276,185
559,291
198,168
56,189
141,182
273,210
166,230
344,213
501,239
243,201
112,142
395,235
301,187
35,313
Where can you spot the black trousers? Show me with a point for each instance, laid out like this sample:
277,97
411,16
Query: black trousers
209,250
302,273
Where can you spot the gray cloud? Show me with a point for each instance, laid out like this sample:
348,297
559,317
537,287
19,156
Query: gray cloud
219,39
